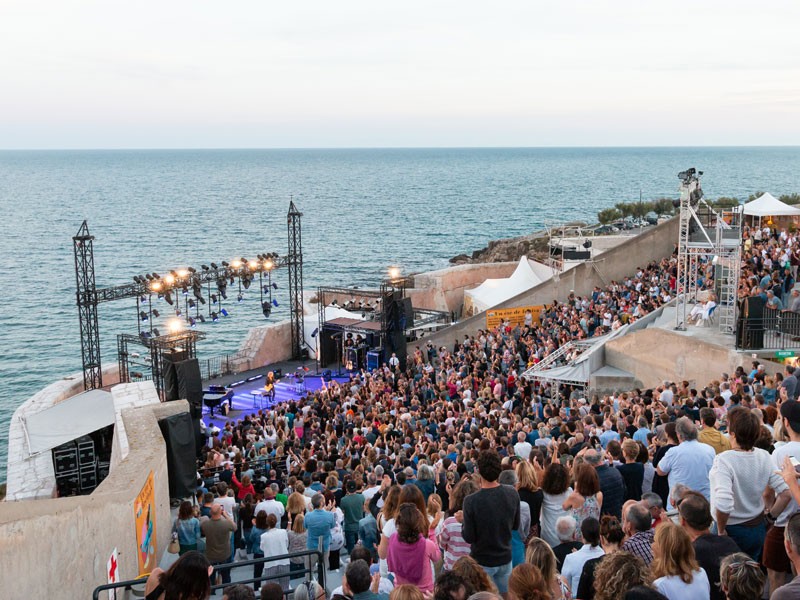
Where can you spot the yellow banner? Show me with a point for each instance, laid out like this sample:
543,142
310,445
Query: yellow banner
144,514
515,316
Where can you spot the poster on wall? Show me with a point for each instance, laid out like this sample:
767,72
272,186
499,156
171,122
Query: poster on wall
144,513
112,570
515,316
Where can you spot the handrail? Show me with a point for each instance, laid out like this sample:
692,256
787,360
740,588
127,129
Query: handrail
306,571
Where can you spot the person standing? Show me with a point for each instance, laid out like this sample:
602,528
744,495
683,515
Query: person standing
791,590
319,523
352,506
217,531
690,462
612,485
488,518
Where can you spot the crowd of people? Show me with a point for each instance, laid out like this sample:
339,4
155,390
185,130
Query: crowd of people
457,478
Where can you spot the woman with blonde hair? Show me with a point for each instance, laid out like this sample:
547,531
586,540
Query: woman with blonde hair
740,577
295,504
530,492
474,575
298,541
617,573
678,576
541,555
406,592
527,583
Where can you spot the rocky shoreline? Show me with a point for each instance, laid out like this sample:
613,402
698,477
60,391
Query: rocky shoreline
534,246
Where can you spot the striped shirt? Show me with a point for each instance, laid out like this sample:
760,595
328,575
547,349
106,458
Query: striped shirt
452,544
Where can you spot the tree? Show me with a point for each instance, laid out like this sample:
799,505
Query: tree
790,198
624,208
752,197
663,206
725,202
608,215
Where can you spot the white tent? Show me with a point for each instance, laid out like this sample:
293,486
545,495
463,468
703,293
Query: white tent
492,292
768,205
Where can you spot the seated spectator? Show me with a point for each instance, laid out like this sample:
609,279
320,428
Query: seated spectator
471,572
527,583
573,563
617,574
742,578
565,528
792,544
611,536
710,549
677,574
187,579
451,586
541,555
357,581
636,526
238,591
406,592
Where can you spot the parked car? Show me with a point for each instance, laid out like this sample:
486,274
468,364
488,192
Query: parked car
651,218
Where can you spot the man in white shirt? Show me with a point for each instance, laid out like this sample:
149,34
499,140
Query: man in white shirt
573,563
372,487
270,505
225,501
688,463
522,448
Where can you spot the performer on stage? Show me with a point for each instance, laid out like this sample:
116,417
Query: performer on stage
269,386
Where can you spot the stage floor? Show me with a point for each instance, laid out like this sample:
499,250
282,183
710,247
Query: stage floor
244,402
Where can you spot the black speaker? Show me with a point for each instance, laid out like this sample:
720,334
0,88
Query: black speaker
170,381
404,314
327,376
190,383
179,436
328,351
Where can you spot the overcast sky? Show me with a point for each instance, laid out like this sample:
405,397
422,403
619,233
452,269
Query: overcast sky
203,74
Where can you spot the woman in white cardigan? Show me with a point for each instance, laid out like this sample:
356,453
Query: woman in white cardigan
738,480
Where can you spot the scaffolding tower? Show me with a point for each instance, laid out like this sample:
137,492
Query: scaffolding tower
706,237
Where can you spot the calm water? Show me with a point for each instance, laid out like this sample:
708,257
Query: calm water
364,210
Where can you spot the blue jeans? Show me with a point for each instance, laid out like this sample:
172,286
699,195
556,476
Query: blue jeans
350,540
499,575
749,539
224,573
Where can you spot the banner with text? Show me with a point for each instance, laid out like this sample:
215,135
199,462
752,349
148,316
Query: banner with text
515,316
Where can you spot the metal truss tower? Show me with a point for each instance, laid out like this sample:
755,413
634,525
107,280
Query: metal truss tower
705,238
295,266
86,296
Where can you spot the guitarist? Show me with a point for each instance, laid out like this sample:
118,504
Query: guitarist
269,386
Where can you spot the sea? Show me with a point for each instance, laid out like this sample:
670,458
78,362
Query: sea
363,211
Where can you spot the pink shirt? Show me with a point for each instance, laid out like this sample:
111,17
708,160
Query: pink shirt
431,554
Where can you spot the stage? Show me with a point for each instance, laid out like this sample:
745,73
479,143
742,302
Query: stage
243,386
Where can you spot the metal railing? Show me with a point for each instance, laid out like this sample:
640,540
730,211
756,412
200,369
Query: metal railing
217,366
306,572
775,330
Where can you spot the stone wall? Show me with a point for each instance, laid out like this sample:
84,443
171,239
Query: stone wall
444,289
616,263
265,345
60,547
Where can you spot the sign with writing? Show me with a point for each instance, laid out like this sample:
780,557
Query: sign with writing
112,570
515,316
784,354
144,514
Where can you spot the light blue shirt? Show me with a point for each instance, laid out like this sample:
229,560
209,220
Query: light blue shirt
641,435
319,523
607,436
689,464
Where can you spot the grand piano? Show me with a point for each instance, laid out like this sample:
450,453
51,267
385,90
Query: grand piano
215,395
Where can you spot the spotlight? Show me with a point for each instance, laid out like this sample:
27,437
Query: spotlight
274,286
156,332
265,288
268,264
239,298
236,263
202,300
155,286
225,263
183,273
266,309
223,312
192,322
168,298
214,317
175,325
204,267
274,303
202,318
145,335
156,275
587,244
136,279
253,264
142,299
185,290
177,312
363,315
394,272
246,282
156,314
334,303
192,270
213,298
223,293
191,303
143,316
148,277
315,332
170,279
214,266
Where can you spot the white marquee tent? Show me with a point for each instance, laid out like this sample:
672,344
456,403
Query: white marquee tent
492,292
768,205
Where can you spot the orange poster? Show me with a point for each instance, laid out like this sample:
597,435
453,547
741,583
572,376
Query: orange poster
515,316
144,513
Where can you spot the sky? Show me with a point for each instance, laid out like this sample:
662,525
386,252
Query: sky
439,73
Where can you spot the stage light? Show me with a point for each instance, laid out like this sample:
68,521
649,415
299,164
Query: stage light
191,303
183,273
587,244
334,303
223,312
170,279
142,299
192,322
174,325
239,298
265,288
274,303
156,314
192,270
136,279
223,293
266,308
204,267
268,264
236,263
202,300
156,275
253,264
185,290
363,315
202,318
156,332
394,272
168,297
225,263
143,316
148,277
214,317
214,266
213,298
274,286
155,286
246,282
144,335
315,332
177,312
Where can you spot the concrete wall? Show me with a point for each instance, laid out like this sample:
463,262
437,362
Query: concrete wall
654,355
265,345
444,289
59,547
617,263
